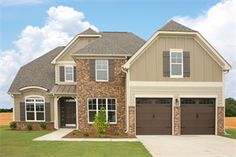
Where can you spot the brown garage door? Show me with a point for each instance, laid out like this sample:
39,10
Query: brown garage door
197,116
153,116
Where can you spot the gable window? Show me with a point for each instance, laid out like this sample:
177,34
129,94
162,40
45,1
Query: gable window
69,75
176,63
35,109
101,67
95,105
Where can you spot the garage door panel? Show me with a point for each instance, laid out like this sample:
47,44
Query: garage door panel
153,116
198,117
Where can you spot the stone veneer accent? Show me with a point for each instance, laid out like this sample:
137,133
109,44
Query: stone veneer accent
36,125
220,120
132,120
87,88
177,120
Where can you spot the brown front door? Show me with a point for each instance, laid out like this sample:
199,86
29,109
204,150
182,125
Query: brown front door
153,116
197,116
67,112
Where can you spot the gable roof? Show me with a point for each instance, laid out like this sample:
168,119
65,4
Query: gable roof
173,27
89,31
29,74
112,43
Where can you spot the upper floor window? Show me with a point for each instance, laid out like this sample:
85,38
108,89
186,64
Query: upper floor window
176,63
69,75
35,109
101,67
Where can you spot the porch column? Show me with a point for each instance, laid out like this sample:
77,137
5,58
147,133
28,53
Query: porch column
55,112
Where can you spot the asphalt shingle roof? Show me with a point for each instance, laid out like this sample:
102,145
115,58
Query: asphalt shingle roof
39,72
113,43
175,27
89,31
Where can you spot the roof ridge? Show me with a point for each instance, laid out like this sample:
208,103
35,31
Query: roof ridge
176,27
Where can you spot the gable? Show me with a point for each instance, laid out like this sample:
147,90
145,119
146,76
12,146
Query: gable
149,65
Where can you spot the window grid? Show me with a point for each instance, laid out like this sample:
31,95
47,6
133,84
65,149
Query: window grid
98,105
176,61
69,75
101,67
35,106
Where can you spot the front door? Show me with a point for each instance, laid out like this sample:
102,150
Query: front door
67,112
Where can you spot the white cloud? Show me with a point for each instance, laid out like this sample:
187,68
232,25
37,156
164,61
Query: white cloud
62,24
19,2
218,25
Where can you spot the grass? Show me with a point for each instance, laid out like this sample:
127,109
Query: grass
231,133
20,144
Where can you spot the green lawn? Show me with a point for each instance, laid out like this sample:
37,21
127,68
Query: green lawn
231,133
20,144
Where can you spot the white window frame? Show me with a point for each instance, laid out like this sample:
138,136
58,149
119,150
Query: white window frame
69,66
182,68
34,97
96,70
106,109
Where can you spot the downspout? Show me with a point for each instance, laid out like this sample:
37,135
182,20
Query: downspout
126,97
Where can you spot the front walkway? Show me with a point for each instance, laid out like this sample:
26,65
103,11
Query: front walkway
60,133
189,145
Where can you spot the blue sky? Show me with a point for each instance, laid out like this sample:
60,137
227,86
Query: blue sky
30,28
114,15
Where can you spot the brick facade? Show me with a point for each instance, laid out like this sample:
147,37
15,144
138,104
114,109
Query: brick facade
87,88
177,121
132,120
220,120
36,125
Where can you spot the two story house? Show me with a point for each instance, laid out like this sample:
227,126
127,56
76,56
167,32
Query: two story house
171,84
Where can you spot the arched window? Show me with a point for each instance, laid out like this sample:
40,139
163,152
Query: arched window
35,108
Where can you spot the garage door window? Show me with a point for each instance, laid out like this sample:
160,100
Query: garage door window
95,104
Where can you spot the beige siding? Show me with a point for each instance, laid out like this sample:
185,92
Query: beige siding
21,98
80,43
149,66
176,92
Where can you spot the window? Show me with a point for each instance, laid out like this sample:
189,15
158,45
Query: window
69,75
101,67
95,104
176,63
35,109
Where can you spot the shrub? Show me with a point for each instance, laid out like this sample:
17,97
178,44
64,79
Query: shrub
12,125
77,133
120,134
29,126
43,125
86,134
100,123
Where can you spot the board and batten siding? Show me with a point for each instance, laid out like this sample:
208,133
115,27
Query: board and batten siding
149,66
19,98
79,44
176,92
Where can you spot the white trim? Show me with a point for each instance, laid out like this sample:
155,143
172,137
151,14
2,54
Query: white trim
77,113
35,112
66,62
198,96
32,87
155,96
56,113
98,35
174,84
182,67
103,55
106,110
96,70
127,65
69,66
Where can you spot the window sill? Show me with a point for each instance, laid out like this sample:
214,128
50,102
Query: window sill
35,120
112,123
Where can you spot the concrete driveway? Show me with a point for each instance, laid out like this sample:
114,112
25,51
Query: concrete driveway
189,146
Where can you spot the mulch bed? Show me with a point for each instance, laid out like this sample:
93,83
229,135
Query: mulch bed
78,134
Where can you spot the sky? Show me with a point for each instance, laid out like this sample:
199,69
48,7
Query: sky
30,28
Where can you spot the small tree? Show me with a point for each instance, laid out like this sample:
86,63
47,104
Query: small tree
12,125
100,123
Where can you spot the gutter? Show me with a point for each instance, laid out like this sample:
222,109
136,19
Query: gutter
127,112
